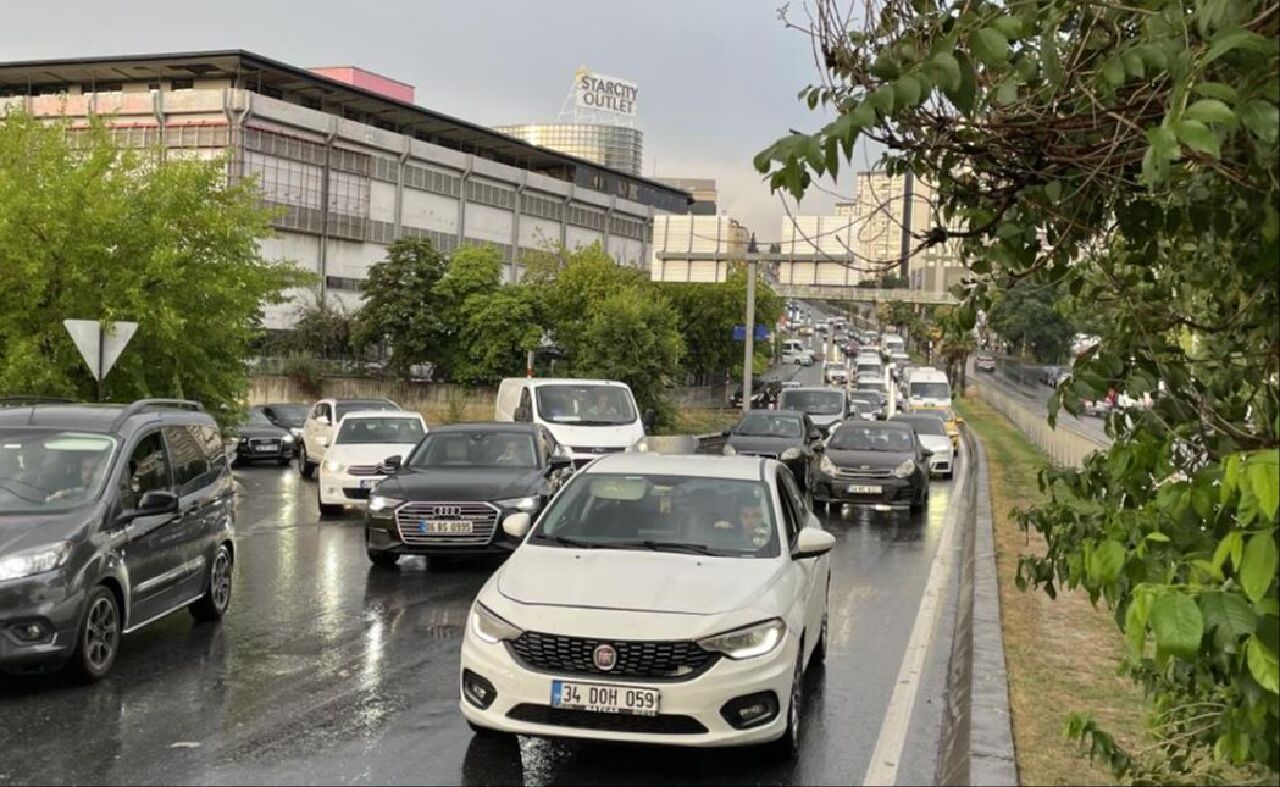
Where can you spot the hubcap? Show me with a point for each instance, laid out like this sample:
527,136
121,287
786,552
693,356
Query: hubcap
220,580
100,634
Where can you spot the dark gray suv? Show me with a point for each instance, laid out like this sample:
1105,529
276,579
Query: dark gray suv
111,516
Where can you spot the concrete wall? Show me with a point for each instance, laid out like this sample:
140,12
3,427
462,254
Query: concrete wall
1064,446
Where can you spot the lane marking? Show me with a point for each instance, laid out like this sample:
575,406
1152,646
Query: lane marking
883,767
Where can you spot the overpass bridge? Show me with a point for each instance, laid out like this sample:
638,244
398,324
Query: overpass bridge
800,276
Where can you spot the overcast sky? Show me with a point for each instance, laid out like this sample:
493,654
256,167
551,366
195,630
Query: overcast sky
718,78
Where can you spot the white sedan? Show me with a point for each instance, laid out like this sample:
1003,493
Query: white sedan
659,599
356,462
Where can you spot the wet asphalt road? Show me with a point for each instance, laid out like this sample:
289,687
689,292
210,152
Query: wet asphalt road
329,671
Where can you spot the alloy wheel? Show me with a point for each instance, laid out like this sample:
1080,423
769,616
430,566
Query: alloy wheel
220,580
102,634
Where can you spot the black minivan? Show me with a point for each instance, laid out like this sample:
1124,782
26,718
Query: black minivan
111,516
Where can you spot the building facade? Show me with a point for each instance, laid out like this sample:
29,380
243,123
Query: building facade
696,248
350,168
617,147
703,190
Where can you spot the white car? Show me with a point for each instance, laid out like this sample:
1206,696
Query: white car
659,599
317,430
835,374
354,463
932,431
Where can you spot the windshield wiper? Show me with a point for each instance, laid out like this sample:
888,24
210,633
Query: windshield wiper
567,542
666,546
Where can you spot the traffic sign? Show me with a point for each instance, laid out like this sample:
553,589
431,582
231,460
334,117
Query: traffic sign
740,332
100,344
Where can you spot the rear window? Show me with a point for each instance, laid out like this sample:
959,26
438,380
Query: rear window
360,404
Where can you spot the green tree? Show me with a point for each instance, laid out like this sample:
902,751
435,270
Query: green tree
1029,316
1126,151
323,329
707,314
401,305
632,336
92,231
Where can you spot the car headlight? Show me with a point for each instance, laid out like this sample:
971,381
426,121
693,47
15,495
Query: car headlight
748,641
730,451
640,447
296,431
34,561
380,503
489,627
334,466
905,469
287,439
827,466
519,503
790,455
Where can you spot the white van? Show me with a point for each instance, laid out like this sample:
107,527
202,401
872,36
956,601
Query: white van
589,418
794,351
928,388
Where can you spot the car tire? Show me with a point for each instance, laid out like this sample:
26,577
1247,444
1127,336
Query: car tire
787,747
98,640
305,469
217,588
383,559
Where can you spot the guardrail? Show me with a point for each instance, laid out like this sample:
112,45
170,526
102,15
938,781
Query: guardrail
1064,446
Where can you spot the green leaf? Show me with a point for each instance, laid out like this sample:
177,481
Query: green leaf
1156,535
1050,61
882,99
1135,620
1113,72
1133,64
990,46
1009,26
1264,665
812,99
1258,569
863,116
964,93
1106,562
1177,624
1210,110
1216,90
1153,55
1262,118
1229,40
885,67
909,91
1197,136
1006,93
1231,476
832,149
1228,617
945,70
1263,474
1230,547
1053,190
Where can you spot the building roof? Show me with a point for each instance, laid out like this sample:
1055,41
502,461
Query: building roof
255,72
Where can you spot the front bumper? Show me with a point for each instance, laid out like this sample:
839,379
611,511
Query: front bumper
689,711
345,489
894,492
941,464
382,534
43,601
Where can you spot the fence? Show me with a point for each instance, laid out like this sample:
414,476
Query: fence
1063,445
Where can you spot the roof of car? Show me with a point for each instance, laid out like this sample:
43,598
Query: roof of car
890,424
812,388
772,413
487,426
569,381
738,468
382,414
93,417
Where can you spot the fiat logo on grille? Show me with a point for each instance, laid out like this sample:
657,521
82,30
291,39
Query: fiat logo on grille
447,511
604,657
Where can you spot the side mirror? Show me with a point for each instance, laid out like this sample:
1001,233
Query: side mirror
726,433
926,453
516,525
560,461
154,502
391,465
649,420
815,434
812,542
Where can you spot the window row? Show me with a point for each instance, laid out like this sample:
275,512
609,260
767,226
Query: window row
585,217
432,180
542,207
488,194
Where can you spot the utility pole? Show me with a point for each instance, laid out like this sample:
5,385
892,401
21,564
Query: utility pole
748,341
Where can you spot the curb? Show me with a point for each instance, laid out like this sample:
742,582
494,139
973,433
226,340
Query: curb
977,740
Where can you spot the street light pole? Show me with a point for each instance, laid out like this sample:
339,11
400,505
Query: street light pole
748,343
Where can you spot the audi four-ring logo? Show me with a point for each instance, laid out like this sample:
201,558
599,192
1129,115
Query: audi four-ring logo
448,511
604,657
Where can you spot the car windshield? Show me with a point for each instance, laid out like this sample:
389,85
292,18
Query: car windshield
479,448
922,426
587,405
858,437
357,404
47,470
258,418
374,430
290,414
930,391
813,402
867,385
765,425
941,415
704,516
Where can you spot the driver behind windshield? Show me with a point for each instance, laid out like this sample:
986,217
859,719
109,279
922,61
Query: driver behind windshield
749,529
77,477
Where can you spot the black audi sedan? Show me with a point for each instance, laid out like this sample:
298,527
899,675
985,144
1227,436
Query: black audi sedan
880,464
451,493
286,416
259,440
786,435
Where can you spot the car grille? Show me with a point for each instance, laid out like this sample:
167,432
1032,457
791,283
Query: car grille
668,724
482,516
760,454
650,659
846,472
587,449
365,470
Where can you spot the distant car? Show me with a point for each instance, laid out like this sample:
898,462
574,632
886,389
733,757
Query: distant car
874,397
759,397
864,409
259,440
932,433
1049,374
825,407
835,374
786,435
449,495
318,429
985,362
356,460
286,416
882,465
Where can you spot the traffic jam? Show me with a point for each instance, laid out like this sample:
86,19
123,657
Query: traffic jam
624,592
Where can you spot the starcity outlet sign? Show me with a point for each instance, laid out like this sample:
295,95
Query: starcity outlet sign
605,93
